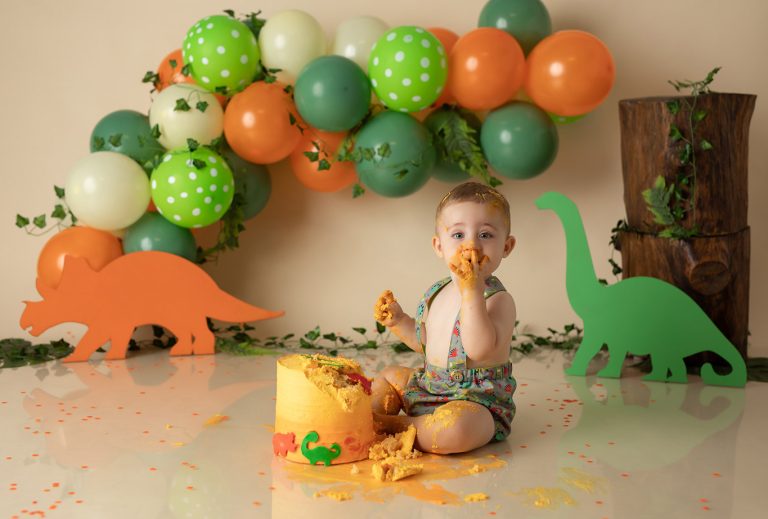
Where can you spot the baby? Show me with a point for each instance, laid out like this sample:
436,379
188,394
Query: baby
462,398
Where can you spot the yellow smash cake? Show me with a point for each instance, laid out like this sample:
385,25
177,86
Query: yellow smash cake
322,410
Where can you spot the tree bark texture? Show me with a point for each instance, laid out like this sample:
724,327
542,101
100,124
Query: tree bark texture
720,192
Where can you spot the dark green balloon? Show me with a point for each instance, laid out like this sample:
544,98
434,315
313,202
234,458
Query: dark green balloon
252,182
445,169
127,132
527,20
403,154
519,140
332,93
153,232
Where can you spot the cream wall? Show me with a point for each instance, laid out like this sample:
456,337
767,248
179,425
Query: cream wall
325,257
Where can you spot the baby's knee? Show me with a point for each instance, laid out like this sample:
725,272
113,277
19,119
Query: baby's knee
397,376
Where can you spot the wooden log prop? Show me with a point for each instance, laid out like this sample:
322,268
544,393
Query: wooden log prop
720,193
713,270
639,315
139,288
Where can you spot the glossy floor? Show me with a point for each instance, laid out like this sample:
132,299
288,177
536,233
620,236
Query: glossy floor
161,437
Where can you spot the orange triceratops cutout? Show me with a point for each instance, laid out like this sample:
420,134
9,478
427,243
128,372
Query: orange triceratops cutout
135,289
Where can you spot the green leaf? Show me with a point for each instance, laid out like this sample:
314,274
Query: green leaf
384,150
699,115
399,175
673,106
705,145
230,12
313,156
201,105
674,133
21,221
313,334
291,119
323,165
198,163
150,76
172,63
192,144
155,131
59,212
115,140
357,190
182,105
330,336
361,331
98,143
59,191
380,328
39,221
185,70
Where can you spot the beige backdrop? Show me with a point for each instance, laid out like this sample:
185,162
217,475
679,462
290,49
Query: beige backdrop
325,257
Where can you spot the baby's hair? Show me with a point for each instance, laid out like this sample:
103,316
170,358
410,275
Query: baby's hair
475,192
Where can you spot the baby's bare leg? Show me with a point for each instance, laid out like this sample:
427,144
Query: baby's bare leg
387,388
458,426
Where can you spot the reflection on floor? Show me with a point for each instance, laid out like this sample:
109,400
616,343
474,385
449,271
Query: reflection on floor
162,437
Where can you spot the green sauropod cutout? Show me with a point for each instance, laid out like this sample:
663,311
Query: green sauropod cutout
638,315
319,454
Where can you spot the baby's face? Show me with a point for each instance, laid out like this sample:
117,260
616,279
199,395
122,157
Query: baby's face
468,225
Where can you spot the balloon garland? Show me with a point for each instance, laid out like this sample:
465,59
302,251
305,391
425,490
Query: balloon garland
244,92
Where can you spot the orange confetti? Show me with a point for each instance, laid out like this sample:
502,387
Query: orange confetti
216,419
716,474
257,503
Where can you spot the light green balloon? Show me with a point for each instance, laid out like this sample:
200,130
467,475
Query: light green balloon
192,188
408,68
222,54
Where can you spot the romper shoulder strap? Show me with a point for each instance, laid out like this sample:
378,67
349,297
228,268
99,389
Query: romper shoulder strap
493,286
424,304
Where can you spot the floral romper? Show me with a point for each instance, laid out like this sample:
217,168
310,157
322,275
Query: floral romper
432,386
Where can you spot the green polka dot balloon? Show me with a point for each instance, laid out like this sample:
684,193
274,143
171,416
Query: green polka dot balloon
192,188
222,54
408,68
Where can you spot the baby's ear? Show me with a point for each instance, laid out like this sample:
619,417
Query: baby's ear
437,246
509,244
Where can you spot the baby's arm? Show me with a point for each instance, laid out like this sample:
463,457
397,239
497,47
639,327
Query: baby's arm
486,325
388,312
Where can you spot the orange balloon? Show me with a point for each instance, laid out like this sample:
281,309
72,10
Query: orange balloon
97,247
169,71
257,123
170,74
485,69
341,173
448,38
569,73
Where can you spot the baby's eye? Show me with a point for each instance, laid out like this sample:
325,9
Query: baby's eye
485,235
457,235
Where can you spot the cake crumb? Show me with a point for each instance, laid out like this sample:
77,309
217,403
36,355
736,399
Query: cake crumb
474,498
355,470
399,445
395,469
336,495
476,469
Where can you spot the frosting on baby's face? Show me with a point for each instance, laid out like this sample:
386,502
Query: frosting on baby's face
463,227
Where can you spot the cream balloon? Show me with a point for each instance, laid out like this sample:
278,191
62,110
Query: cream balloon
355,37
288,41
203,121
107,191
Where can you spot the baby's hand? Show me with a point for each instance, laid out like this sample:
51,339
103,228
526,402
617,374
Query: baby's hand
468,268
387,310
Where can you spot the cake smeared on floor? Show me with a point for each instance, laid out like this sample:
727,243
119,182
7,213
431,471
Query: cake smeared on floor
395,455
